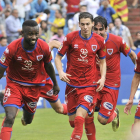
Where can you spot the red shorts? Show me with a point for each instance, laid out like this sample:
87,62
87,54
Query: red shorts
18,96
106,101
137,114
83,97
47,92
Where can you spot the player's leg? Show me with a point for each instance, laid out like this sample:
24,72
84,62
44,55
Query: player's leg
59,107
84,106
107,112
6,128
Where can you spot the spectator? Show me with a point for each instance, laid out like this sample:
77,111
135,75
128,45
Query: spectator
121,9
134,4
3,42
106,11
13,26
83,8
123,31
72,8
45,34
58,22
110,27
137,42
59,36
37,7
25,4
92,6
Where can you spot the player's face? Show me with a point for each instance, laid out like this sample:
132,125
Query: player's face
99,29
86,26
31,34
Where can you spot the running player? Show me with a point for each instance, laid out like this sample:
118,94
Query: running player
134,86
81,48
25,61
107,97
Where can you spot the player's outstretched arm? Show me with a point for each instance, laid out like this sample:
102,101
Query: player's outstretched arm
2,70
50,71
133,56
63,76
134,86
54,44
103,74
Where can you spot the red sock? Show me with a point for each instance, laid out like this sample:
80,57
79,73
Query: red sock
65,111
6,133
78,129
90,128
1,127
112,117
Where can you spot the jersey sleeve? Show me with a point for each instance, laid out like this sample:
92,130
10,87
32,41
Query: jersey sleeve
64,46
7,56
137,64
124,48
48,56
102,51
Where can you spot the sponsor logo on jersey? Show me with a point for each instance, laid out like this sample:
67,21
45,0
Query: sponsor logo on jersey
109,51
94,47
50,92
83,55
19,58
7,50
39,57
3,58
76,46
108,105
28,65
88,98
32,104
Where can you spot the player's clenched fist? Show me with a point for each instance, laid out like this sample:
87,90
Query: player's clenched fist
64,77
56,89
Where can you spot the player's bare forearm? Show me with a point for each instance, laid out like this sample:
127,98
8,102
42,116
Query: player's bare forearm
58,63
103,68
134,85
133,56
2,70
50,71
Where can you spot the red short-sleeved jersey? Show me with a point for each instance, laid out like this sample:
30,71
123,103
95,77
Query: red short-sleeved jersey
137,65
81,53
26,67
114,46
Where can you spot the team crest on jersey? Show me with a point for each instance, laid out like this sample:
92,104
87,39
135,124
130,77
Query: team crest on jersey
39,57
3,58
109,51
126,48
94,47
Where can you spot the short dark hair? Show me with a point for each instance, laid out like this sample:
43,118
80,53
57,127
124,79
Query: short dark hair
1,38
85,15
47,11
83,6
137,32
30,23
100,19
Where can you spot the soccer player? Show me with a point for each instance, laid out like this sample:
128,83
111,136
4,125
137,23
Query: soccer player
26,61
134,86
81,48
107,97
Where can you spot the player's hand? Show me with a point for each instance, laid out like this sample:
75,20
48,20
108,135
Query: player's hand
64,77
101,84
128,106
56,89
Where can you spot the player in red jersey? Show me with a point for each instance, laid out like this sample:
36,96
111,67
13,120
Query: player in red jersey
81,48
134,86
107,97
26,61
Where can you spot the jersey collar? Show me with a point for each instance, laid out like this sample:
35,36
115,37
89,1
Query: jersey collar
107,37
85,38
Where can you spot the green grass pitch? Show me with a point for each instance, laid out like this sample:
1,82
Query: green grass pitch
48,125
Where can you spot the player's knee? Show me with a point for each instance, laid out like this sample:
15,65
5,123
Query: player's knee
9,120
59,110
71,124
102,120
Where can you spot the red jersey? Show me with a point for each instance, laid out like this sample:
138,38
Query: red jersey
81,53
26,67
114,46
72,6
137,65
